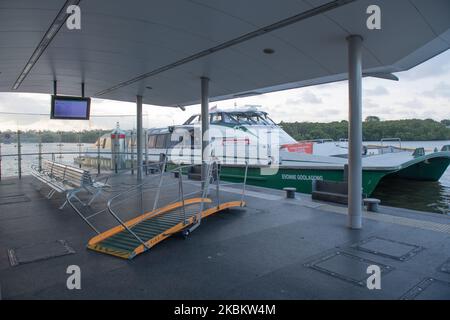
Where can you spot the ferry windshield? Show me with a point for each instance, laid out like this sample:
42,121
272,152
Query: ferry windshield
248,118
253,118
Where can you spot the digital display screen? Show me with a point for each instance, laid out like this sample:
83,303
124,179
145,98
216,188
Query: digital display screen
71,108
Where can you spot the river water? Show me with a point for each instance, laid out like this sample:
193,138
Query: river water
418,195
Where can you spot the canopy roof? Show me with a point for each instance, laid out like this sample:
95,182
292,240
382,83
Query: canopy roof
160,48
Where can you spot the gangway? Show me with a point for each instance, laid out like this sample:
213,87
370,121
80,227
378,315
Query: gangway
139,234
153,227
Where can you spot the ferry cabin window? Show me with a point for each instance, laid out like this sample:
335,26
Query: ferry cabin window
216,118
151,141
267,119
160,141
229,119
259,119
244,118
196,120
193,120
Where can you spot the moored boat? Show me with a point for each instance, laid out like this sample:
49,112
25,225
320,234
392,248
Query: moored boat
247,136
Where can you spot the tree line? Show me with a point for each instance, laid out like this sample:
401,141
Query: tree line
373,129
47,136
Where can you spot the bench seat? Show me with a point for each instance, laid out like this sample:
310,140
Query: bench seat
331,191
64,179
330,197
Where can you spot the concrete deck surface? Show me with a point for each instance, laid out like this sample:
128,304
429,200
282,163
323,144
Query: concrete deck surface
274,248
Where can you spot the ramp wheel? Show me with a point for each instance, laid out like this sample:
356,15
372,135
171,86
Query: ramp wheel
185,233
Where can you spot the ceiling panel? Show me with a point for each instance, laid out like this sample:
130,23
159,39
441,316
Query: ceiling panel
119,42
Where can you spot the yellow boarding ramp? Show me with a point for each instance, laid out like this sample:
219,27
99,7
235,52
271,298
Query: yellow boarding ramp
153,227
170,205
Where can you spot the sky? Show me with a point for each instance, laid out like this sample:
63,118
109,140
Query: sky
422,92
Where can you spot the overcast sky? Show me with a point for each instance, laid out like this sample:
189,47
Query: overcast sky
422,92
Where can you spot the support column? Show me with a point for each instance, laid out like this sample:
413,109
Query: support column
355,132
205,123
139,136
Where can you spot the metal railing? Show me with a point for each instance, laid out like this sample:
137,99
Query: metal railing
72,197
58,155
391,139
161,190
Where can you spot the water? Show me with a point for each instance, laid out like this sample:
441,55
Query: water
417,195
9,164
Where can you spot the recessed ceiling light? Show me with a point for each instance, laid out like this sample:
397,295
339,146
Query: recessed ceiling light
268,51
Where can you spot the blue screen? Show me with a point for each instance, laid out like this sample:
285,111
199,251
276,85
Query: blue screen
70,109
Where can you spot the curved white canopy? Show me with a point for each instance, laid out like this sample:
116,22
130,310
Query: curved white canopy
121,40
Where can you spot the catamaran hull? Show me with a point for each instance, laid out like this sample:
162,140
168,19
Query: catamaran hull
427,170
429,167
301,179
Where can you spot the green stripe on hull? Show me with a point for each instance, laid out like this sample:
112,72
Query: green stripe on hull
301,179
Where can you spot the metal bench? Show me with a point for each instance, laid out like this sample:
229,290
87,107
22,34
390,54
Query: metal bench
64,178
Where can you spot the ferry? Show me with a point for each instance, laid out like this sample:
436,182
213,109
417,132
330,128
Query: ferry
246,138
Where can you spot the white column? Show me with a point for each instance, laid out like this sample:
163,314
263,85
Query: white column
205,122
139,136
355,132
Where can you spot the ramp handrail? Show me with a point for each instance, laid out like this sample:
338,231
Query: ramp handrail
156,185
142,187
72,195
139,187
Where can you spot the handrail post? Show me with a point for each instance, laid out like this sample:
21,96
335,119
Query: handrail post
245,182
98,154
0,159
217,183
79,149
40,151
155,203
180,190
60,145
205,186
139,136
146,151
132,151
116,148
19,154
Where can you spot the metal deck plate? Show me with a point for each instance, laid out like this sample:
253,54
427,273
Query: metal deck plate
388,248
429,289
37,252
13,198
347,267
445,267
